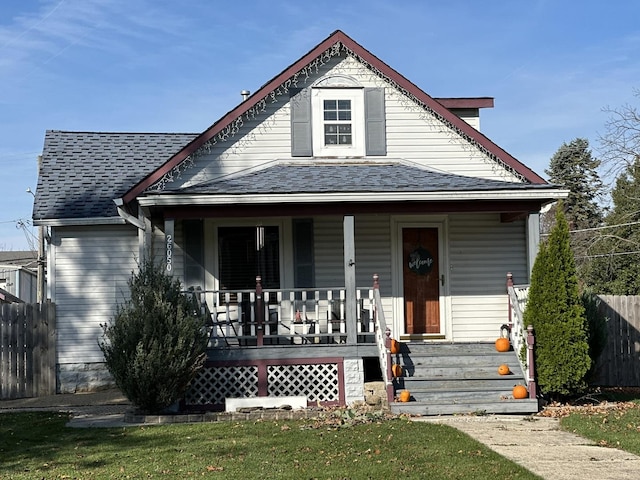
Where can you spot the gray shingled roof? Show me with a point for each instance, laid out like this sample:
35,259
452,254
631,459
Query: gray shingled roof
82,172
19,258
324,178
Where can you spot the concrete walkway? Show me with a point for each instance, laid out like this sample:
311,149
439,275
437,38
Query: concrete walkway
536,443
96,409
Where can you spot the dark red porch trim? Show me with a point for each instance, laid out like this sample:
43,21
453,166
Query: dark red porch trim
263,364
466,102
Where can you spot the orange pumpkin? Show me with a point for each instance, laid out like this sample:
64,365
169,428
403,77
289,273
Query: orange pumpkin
502,344
405,396
395,346
504,369
396,370
520,392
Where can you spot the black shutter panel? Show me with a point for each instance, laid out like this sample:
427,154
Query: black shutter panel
375,122
300,103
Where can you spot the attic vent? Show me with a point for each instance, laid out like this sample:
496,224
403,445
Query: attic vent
245,94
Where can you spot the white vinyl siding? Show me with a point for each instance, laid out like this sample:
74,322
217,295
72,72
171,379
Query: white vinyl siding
329,251
90,270
412,134
481,252
373,254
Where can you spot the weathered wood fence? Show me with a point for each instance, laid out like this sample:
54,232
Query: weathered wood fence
27,350
619,364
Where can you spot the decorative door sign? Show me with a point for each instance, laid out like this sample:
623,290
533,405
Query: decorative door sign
420,261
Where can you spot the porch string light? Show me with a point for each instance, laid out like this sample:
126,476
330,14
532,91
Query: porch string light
301,78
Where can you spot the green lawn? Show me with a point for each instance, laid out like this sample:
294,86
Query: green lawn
38,445
616,425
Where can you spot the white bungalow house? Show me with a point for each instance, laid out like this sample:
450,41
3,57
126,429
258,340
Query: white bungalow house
280,214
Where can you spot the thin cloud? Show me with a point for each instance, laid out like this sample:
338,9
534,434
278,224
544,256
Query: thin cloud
34,39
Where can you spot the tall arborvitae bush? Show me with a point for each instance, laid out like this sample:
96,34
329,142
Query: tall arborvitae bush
155,344
555,310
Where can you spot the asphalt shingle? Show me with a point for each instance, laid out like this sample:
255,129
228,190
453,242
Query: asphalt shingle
82,172
352,177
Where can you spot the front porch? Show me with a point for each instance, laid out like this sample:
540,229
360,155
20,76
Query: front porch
279,344
291,342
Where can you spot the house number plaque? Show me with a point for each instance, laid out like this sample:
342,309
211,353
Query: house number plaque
420,261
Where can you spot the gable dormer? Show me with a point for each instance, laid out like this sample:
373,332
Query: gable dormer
337,117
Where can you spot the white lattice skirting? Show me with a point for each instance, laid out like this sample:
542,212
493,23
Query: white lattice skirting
319,382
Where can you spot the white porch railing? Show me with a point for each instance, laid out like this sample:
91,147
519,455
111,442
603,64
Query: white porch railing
522,337
285,316
383,339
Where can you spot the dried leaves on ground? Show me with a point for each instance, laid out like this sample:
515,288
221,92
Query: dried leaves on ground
595,403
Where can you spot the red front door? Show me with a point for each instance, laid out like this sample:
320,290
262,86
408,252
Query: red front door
421,278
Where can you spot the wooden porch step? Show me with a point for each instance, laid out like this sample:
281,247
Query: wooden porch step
511,407
446,378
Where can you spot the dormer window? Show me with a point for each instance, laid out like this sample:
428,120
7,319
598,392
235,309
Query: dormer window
332,119
337,122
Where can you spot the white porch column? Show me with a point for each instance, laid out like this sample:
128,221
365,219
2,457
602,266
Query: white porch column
144,235
533,239
350,278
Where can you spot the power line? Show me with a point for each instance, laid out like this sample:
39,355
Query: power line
608,254
596,228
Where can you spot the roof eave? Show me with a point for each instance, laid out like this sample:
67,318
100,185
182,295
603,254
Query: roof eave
70,222
168,200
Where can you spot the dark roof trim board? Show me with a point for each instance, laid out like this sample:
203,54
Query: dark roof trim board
341,41
466,102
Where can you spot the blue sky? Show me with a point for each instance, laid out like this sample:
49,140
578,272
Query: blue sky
168,66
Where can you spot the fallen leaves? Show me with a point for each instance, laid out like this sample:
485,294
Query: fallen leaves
561,410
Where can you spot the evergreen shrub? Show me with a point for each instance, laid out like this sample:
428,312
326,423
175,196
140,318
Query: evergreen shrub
597,330
555,310
156,342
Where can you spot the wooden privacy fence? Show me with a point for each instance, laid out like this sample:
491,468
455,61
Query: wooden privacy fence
619,363
27,350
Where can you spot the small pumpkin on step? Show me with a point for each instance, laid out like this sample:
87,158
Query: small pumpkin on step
396,370
504,369
520,392
404,396
394,348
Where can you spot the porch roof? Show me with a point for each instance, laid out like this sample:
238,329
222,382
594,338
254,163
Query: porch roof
347,180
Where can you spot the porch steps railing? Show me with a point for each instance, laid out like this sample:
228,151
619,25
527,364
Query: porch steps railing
522,336
460,378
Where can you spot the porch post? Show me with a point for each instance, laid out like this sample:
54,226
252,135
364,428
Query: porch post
533,239
350,278
259,312
169,227
531,341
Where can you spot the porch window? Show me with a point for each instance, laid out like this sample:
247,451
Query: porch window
303,252
246,252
